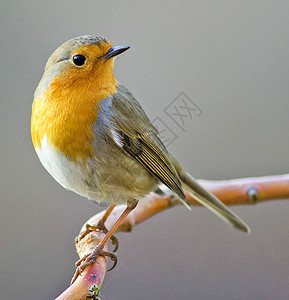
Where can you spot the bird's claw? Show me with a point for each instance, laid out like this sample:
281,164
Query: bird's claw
114,241
100,227
90,259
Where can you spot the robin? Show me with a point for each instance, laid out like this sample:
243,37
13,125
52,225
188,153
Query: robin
94,138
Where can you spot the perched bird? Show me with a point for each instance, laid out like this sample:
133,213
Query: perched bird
94,138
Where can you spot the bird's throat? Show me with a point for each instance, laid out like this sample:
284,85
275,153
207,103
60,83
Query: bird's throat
66,114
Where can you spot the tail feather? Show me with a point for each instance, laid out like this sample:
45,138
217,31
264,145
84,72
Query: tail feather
211,202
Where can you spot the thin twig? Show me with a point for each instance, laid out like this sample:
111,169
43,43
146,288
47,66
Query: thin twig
231,192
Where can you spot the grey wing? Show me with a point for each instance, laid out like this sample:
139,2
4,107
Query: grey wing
133,132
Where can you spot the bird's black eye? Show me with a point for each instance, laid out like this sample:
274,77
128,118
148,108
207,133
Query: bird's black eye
79,60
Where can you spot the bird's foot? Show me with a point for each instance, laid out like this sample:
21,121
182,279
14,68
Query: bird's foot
90,259
100,227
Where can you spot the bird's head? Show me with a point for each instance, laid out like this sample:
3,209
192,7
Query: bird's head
85,60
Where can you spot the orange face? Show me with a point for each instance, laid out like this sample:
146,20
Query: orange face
65,108
95,69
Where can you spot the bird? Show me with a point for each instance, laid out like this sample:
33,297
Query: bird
94,138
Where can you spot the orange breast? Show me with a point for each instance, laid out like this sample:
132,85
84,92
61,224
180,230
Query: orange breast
65,114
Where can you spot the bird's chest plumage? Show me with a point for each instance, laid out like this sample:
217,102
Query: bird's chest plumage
62,137
71,139
66,112
67,127
61,130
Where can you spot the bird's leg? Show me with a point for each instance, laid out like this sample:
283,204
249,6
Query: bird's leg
98,250
100,227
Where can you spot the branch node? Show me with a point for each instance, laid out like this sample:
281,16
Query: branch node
173,200
253,195
93,293
127,227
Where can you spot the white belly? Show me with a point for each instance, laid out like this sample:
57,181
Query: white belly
110,181
69,174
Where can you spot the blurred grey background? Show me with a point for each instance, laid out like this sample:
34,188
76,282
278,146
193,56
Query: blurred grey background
231,59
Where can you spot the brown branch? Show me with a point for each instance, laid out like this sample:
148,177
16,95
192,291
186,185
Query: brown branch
231,192
87,285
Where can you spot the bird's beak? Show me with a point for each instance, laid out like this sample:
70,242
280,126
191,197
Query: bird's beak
115,51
